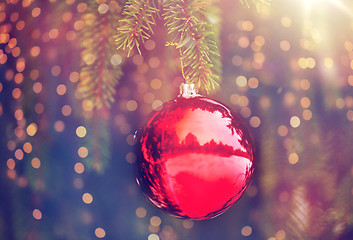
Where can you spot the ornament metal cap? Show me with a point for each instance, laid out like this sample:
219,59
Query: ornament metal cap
187,90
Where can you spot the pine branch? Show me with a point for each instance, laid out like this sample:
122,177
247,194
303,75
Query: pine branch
257,3
191,33
137,25
99,71
98,141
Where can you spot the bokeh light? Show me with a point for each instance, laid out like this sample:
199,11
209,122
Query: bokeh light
141,212
246,231
99,232
37,214
287,70
87,198
81,131
35,163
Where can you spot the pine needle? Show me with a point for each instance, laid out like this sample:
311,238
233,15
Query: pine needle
137,25
99,73
191,33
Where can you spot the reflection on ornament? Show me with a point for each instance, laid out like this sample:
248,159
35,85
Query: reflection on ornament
195,159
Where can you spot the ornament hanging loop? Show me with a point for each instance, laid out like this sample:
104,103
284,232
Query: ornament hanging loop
187,90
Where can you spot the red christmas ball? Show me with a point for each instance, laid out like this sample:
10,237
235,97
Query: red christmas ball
195,159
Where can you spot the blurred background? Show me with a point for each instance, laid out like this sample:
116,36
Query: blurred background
67,170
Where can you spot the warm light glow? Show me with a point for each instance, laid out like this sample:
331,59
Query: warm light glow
18,114
70,35
305,84
12,43
293,158
37,214
131,157
340,103
78,25
255,122
150,44
153,237
61,89
34,74
103,8
265,102
156,83
130,139
66,110
286,22
87,198
188,224
74,77
19,154
36,12
87,105
306,62
56,70
32,129
280,235
99,232
21,64
154,62
243,101
78,183
246,231
156,104
16,52
294,121
155,221
11,173
11,163
350,115
237,60
131,105
243,42
307,114
16,93
27,147
116,59
245,112
35,163
81,7
284,45
82,152
241,81
89,58
39,108
11,145
79,168
59,126
305,102
37,87
282,130
53,33
253,83
81,131
18,78
141,212
328,62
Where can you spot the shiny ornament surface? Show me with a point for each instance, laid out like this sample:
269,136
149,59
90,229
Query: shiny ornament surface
195,159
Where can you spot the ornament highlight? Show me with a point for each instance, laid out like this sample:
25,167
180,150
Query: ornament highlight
195,159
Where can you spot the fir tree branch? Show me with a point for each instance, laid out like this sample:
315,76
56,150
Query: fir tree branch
190,29
257,3
98,141
137,25
99,71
